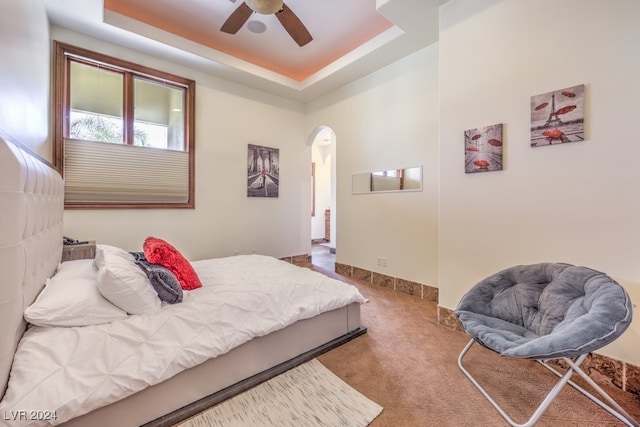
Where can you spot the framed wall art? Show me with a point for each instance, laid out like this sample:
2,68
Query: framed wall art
263,170
483,149
558,117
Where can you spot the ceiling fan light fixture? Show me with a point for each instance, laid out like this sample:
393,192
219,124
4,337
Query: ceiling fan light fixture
256,27
265,7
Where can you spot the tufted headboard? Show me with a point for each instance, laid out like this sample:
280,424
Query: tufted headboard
31,210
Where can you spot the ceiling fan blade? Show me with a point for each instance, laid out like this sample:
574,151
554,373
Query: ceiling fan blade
294,26
236,20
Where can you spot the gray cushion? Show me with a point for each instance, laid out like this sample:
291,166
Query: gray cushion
545,311
164,282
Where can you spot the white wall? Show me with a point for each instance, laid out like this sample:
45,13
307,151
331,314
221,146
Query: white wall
228,117
24,74
575,202
387,120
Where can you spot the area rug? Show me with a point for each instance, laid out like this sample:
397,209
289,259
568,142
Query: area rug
308,395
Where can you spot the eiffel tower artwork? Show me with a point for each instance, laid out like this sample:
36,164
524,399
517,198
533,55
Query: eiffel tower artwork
554,118
558,117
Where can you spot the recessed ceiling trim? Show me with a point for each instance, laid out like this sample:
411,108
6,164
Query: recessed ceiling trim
414,26
154,33
357,54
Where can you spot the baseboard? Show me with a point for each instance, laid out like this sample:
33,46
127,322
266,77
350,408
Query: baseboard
298,259
398,284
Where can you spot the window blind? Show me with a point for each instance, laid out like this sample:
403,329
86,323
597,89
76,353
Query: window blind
112,173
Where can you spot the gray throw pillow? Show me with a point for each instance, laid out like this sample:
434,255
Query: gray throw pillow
162,279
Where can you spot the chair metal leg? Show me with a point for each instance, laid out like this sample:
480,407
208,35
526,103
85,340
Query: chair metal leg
574,366
615,409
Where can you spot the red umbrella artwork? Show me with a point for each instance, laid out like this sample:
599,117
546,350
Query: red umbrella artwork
483,149
567,109
558,117
555,133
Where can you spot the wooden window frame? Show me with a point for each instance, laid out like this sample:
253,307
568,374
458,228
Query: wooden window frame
61,101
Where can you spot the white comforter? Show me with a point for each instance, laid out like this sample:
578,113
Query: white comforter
71,371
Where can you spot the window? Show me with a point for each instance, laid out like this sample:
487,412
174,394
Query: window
387,180
124,133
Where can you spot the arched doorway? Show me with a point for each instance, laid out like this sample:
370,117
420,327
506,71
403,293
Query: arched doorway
323,193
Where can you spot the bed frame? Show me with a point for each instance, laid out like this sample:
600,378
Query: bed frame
31,209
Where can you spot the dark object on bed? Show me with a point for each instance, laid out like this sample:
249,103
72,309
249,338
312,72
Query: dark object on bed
547,311
163,280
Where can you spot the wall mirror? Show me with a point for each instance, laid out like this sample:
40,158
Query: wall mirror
406,179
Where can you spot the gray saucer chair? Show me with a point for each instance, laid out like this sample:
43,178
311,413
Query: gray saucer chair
547,311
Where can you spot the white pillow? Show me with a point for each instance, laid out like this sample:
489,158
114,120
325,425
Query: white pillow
71,298
122,282
106,251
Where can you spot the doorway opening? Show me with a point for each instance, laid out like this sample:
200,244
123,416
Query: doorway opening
323,191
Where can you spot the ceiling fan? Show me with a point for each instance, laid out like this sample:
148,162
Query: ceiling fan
285,15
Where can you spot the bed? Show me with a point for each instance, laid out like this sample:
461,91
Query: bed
158,392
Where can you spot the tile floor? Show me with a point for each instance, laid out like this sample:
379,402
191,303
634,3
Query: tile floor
322,257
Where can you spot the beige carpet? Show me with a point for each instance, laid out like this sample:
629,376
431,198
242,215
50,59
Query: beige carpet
308,395
407,363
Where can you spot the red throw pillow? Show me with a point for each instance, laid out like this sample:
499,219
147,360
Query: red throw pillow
157,251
